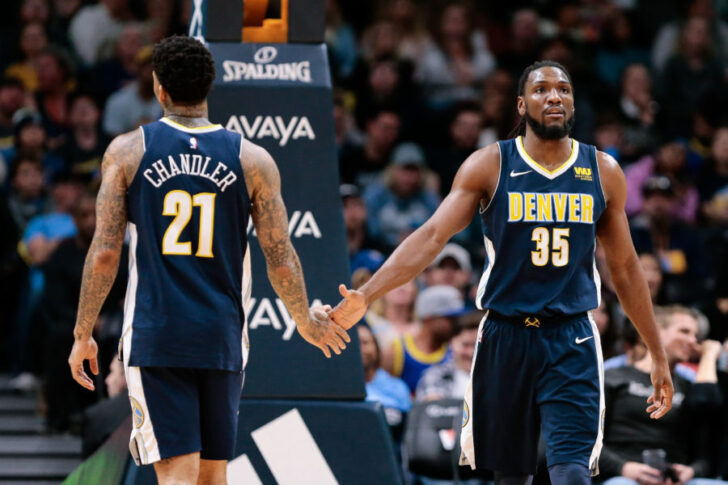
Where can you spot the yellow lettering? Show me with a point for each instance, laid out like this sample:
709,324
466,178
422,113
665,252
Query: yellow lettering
587,208
529,212
544,208
515,206
560,205
574,207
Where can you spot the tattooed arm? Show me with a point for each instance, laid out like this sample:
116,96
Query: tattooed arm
120,161
284,268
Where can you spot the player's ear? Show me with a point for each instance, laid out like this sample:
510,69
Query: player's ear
521,105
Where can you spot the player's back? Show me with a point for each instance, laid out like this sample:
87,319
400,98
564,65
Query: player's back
540,229
189,269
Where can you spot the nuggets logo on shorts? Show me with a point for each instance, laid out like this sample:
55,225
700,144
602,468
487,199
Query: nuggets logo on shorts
466,414
137,412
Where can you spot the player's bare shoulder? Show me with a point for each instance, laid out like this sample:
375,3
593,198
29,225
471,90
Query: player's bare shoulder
259,168
612,177
125,152
480,171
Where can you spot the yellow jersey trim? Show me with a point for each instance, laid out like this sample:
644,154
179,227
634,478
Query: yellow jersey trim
191,129
551,174
423,357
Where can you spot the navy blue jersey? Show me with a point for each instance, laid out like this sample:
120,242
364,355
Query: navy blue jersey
189,267
540,234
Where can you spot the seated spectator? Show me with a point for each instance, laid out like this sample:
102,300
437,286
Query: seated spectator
638,110
395,316
135,104
523,42
450,379
414,39
362,252
713,179
121,69
458,60
653,274
678,248
361,164
341,42
669,161
85,143
29,137
464,132
682,433
12,98
496,108
451,267
95,25
26,198
617,48
409,356
606,324
690,73
55,82
33,40
402,203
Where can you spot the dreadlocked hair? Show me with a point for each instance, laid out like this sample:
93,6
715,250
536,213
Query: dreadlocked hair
184,67
520,128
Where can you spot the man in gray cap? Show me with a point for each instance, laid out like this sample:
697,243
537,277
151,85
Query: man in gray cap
402,203
413,353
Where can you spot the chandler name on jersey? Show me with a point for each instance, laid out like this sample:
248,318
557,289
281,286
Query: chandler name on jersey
540,235
189,266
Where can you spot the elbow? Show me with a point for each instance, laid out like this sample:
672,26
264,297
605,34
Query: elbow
106,259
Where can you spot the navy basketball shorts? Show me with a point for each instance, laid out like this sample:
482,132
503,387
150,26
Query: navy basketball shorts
178,411
532,376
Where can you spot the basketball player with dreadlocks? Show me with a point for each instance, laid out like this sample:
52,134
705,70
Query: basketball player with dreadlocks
544,200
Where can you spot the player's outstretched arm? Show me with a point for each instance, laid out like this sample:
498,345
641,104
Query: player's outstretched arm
102,259
629,281
284,268
476,180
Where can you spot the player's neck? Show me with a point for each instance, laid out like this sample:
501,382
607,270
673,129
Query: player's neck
195,115
549,153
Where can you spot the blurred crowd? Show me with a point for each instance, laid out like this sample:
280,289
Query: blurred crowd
418,86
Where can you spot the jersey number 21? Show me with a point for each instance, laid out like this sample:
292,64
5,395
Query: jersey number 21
179,204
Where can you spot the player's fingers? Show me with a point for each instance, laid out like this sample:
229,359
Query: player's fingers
341,332
343,291
94,365
325,350
650,399
326,308
334,347
338,341
80,376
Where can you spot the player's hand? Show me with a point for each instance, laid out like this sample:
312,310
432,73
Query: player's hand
323,332
349,310
84,350
661,399
642,474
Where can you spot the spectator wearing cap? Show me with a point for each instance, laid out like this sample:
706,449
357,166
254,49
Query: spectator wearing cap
402,203
668,160
362,252
450,267
411,355
29,138
134,104
450,379
678,248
